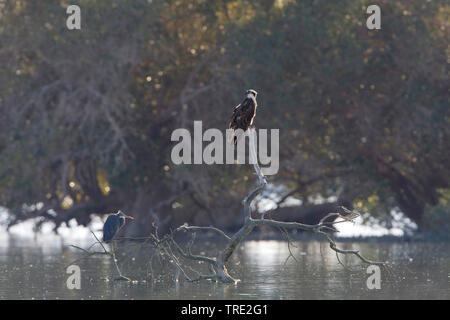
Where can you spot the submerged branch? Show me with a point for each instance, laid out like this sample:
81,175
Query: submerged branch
170,250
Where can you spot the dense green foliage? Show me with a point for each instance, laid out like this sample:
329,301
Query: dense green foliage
86,115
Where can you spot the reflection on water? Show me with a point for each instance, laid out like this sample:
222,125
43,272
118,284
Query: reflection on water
36,270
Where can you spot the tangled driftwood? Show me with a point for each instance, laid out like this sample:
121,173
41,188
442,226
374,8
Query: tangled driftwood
169,248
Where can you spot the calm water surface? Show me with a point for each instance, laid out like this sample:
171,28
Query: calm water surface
36,269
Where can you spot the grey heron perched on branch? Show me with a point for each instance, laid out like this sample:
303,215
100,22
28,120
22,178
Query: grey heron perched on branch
113,224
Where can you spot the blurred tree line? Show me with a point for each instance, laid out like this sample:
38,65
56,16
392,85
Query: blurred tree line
86,115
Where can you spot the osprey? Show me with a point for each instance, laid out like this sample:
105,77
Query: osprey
244,113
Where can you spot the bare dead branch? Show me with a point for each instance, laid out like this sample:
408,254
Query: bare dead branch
173,253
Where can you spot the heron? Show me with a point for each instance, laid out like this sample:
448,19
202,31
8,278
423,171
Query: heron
113,224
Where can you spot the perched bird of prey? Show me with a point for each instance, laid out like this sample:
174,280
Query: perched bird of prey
244,113
112,225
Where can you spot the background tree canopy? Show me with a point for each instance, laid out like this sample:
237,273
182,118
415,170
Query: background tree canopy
86,115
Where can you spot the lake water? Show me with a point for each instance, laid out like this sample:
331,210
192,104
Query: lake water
36,269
